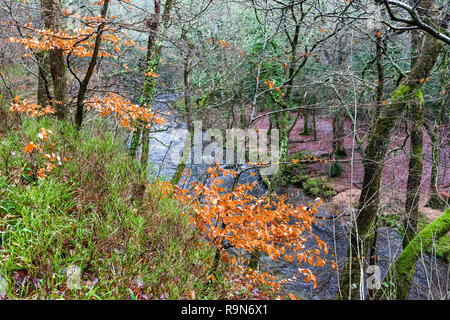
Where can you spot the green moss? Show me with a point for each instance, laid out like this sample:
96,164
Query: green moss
419,95
299,179
401,92
399,277
391,220
441,247
318,187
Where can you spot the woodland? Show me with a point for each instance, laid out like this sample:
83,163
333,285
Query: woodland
115,176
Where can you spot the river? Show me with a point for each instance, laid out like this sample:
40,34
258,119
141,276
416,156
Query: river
431,276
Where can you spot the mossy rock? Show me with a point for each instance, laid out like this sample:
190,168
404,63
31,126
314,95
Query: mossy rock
299,179
318,187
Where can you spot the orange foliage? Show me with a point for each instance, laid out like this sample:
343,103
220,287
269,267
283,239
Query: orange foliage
30,109
46,149
266,224
127,113
79,42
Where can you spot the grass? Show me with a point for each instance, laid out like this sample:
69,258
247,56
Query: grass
96,212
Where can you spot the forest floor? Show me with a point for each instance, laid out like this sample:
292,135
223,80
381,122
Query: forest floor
395,171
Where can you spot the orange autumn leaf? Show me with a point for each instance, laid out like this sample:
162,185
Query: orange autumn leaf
30,147
249,223
41,173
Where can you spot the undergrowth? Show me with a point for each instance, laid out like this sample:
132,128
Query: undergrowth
96,213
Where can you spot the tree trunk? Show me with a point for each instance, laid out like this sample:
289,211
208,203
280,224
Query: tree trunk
338,132
380,71
187,105
378,143
415,154
415,171
51,13
305,123
184,158
43,92
87,77
435,201
399,278
284,125
373,250
147,100
153,59
315,125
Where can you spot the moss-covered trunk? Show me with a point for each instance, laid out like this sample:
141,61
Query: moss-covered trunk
315,125
146,101
187,68
338,132
153,58
415,170
284,144
305,131
285,128
363,230
397,283
435,201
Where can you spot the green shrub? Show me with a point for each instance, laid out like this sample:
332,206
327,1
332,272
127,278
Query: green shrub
318,187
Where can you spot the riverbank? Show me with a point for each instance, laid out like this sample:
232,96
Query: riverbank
431,279
92,227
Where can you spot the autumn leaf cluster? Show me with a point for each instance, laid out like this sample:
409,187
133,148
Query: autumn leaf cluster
45,149
127,113
267,224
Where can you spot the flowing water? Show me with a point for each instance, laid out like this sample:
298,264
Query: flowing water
431,276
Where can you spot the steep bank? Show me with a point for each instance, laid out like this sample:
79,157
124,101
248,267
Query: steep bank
94,216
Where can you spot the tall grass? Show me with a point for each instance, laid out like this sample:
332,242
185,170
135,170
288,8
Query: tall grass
96,212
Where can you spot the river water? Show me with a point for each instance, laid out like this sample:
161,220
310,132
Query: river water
431,276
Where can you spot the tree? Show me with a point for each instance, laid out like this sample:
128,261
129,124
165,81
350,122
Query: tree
152,59
398,280
92,63
375,153
51,12
436,201
235,218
